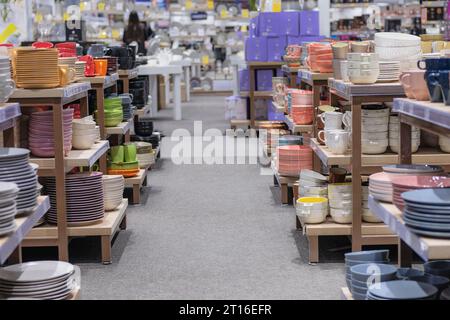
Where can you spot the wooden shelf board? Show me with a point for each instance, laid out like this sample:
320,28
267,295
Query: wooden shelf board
24,224
106,81
263,94
426,248
309,76
297,128
122,128
278,108
76,158
287,69
331,228
107,227
60,92
138,180
130,74
424,155
347,90
268,64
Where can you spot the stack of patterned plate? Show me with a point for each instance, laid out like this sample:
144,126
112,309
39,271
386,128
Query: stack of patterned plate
389,71
8,195
380,186
84,198
41,140
402,290
36,68
406,183
427,212
80,68
44,280
69,61
14,167
113,188
363,277
291,159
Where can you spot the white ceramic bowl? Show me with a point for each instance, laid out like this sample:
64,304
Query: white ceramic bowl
397,53
368,216
309,183
311,175
312,216
362,57
111,205
77,125
84,132
306,191
341,216
374,135
363,65
396,39
375,113
344,196
374,128
367,120
341,204
366,76
396,148
312,203
445,147
83,142
335,188
374,146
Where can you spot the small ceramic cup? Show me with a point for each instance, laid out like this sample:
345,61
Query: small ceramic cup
117,154
331,120
415,85
130,152
101,67
336,140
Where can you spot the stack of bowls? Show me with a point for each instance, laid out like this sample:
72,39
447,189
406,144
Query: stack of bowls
363,68
374,135
145,154
291,159
297,97
380,186
406,183
340,199
340,51
312,184
367,215
85,133
80,68
402,290
320,57
444,144
7,85
113,186
8,195
302,114
14,167
312,209
408,273
438,268
394,135
365,276
363,257
440,282
144,127
113,111
41,139
127,107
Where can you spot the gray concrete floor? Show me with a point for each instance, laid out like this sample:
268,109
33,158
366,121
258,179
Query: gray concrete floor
209,232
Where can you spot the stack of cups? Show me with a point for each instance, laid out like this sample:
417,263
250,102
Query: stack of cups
301,107
340,51
363,68
340,200
333,136
394,135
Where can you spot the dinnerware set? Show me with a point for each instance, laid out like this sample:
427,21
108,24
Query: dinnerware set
14,167
312,210
7,85
8,195
320,57
41,280
291,159
113,186
41,140
85,133
84,198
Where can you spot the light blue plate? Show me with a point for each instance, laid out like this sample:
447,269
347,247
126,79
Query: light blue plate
432,197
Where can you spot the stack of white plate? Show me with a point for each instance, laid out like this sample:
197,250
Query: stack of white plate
80,68
401,47
389,71
374,136
340,199
44,280
14,167
8,195
380,187
312,184
113,187
367,215
394,135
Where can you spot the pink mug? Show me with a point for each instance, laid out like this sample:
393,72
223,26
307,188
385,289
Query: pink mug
415,86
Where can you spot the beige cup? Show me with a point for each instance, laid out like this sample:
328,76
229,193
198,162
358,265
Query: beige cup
340,50
66,74
359,46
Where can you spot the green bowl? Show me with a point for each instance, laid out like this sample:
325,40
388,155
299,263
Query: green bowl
113,122
123,165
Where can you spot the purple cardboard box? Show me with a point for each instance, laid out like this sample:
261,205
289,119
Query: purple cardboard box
254,27
272,114
244,80
292,23
275,48
264,80
309,23
272,23
256,49
303,39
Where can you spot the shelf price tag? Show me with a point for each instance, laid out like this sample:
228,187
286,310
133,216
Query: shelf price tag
276,6
38,17
210,4
82,6
205,59
223,13
66,16
188,4
101,6
245,13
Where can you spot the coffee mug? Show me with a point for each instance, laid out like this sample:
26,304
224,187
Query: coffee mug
130,152
337,175
117,154
66,74
415,85
340,50
101,67
331,120
435,87
359,46
336,140
434,64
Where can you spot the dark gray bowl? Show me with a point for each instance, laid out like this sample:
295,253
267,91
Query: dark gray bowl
439,282
438,268
368,255
445,294
407,273
384,272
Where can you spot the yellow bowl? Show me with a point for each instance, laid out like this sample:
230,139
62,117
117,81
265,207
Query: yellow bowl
312,200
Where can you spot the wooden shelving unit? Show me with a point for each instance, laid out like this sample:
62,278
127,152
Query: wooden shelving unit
122,129
297,128
136,184
284,182
125,76
278,108
291,73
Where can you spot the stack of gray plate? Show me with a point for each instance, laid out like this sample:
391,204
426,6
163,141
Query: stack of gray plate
46,280
367,275
14,167
8,196
402,290
363,257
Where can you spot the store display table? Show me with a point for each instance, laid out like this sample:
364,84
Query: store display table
136,184
186,65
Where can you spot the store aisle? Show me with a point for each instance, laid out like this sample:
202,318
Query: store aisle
209,232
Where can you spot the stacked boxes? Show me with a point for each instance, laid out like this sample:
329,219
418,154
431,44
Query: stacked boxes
271,32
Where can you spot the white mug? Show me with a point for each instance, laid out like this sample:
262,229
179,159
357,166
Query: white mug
6,90
331,120
336,140
344,71
347,120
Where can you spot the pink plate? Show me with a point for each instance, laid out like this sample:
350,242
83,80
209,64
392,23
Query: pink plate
410,182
